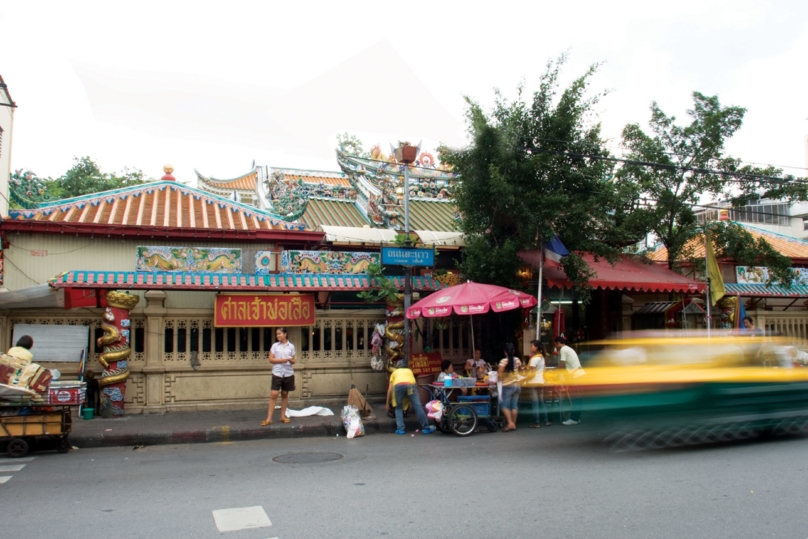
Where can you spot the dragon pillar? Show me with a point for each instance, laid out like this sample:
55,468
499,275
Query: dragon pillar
115,358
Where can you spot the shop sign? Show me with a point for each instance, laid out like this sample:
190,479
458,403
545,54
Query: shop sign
264,310
406,256
425,363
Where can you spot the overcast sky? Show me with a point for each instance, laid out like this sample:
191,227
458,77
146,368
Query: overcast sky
216,85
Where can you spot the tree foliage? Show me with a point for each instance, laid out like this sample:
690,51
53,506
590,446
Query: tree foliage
526,177
675,166
85,177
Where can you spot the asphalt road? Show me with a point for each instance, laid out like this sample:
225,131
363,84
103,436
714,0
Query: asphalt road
552,482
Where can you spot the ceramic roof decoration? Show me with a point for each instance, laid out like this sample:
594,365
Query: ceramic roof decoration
367,191
156,204
794,248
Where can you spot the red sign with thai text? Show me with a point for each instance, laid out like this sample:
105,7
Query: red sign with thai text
263,310
425,363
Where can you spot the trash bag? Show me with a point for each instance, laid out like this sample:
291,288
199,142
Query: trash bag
352,421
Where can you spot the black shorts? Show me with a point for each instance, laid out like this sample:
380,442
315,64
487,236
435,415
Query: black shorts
283,384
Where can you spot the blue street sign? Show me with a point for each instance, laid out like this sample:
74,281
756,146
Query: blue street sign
402,256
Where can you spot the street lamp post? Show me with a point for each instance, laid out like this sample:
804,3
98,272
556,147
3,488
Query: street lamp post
406,154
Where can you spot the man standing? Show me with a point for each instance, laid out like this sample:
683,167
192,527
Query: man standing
402,385
282,357
568,357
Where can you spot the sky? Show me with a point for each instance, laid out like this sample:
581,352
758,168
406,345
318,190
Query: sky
214,86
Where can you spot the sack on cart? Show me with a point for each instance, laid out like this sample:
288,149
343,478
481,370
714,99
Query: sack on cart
352,421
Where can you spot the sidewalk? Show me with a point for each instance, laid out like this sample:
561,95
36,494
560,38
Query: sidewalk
215,426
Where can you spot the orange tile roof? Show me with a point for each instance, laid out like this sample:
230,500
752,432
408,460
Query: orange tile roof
785,245
157,204
242,183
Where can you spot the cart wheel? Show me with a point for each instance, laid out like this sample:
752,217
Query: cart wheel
492,425
443,425
17,447
463,420
64,445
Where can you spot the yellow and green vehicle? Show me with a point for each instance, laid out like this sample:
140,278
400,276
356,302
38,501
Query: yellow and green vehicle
669,389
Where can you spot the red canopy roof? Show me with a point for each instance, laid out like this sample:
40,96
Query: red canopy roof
628,273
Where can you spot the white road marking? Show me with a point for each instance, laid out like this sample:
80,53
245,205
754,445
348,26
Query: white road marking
241,518
15,468
14,461
4,478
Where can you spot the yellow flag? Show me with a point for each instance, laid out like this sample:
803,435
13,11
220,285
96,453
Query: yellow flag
717,290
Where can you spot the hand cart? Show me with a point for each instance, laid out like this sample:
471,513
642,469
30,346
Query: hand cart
27,420
462,417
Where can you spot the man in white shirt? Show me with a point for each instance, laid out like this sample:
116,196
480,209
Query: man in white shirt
476,367
568,357
282,357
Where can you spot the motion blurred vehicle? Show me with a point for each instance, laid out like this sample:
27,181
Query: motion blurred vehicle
665,389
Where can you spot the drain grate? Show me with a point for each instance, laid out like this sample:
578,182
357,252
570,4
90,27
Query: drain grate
306,458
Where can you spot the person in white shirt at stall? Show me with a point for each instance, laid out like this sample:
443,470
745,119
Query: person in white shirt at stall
567,357
535,384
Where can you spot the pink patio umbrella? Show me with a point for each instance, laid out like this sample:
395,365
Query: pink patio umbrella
470,298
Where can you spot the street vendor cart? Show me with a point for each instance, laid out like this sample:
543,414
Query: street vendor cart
29,420
463,416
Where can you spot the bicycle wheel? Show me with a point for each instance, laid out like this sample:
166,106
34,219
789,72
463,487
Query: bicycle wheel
463,420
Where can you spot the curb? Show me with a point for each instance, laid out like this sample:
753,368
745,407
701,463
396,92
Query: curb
224,433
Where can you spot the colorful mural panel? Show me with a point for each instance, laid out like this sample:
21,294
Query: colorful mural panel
263,262
337,262
188,259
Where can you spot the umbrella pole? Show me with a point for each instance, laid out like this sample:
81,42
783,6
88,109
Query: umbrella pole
538,314
473,343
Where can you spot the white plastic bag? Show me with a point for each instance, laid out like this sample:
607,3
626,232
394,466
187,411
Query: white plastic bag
352,421
434,410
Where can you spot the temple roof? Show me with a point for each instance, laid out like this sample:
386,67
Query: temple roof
156,204
245,182
321,211
433,215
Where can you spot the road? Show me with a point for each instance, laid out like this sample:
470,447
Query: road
551,482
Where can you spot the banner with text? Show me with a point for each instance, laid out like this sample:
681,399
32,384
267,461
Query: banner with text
425,363
263,310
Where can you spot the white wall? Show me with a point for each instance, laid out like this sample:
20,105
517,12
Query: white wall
6,124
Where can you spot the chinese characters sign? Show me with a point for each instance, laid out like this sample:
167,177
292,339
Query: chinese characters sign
425,363
264,310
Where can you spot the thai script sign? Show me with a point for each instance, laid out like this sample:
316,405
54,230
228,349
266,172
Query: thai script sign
188,259
400,256
760,275
333,262
263,310
425,363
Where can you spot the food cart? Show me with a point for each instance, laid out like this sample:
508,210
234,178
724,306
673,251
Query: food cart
463,416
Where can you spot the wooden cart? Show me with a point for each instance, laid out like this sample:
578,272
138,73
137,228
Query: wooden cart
22,432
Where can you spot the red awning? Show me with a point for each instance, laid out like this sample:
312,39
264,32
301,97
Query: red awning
628,273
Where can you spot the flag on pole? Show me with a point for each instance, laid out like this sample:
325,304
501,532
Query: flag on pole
554,250
717,290
740,314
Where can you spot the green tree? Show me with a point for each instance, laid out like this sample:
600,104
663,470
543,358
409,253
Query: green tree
526,176
675,166
85,177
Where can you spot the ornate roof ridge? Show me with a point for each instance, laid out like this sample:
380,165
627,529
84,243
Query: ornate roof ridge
309,172
211,179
